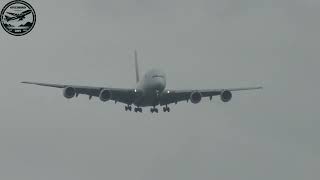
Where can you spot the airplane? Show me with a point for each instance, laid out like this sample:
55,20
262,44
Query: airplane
150,91
20,16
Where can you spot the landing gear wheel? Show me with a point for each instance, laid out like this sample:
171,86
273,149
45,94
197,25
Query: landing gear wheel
166,109
152,110
128,108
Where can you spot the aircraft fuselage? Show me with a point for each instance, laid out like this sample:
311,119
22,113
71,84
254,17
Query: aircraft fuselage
152,84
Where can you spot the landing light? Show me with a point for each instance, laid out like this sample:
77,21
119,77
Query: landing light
168,91
135,90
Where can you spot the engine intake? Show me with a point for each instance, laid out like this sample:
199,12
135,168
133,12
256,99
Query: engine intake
226,96
69,92
195,97
105,95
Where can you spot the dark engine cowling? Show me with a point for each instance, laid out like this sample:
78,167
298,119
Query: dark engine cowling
105,95
195,97
226,96
69,92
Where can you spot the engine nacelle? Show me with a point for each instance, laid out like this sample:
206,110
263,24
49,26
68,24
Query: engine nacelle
195,97
105,95
226,96
69,92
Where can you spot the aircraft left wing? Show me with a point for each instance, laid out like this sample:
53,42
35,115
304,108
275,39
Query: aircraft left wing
13,14
174,96
126,96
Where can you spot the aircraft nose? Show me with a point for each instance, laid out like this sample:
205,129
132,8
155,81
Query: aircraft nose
160,83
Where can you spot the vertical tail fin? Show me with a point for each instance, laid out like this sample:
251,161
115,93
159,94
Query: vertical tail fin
136,65
7,18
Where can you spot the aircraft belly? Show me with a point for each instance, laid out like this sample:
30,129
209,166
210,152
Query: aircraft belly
149,102
149,99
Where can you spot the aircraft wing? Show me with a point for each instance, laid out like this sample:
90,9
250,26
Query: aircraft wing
126,96
13,14
174,96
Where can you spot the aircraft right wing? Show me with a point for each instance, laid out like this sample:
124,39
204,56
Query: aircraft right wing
126,96
174,96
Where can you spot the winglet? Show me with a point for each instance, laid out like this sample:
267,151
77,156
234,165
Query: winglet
136,65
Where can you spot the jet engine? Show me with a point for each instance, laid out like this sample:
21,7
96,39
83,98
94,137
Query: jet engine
195,97
69,92
105,95
225,96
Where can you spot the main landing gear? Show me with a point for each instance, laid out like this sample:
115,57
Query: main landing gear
128,108
137,109
166,109
152,110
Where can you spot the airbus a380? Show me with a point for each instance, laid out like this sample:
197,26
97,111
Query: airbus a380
150,91
20,17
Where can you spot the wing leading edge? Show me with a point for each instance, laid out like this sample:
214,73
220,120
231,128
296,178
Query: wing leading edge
126,96
174,96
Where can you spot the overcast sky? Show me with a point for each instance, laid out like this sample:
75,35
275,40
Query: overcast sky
268,134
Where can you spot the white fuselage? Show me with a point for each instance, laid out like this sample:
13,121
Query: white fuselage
151,85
